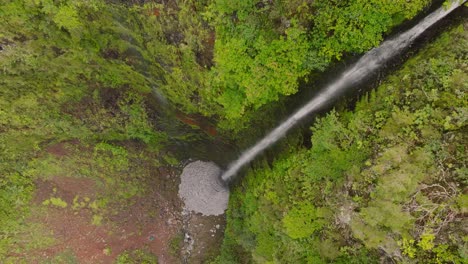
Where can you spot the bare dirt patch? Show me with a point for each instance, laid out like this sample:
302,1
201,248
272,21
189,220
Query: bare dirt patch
62,148
203,237
149,223
154,221
67,188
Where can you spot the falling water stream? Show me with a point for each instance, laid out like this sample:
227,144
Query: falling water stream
371,61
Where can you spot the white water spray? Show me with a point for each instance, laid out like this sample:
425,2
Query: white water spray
370,62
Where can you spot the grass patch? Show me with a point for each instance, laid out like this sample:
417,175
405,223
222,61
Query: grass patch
137,256
176,244
65,257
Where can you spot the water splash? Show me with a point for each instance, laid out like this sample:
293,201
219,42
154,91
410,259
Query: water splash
370,62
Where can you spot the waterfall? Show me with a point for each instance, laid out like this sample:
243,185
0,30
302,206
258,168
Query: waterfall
370,62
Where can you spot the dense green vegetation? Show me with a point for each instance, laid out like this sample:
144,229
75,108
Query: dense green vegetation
71,73
264,48
384,181
221,59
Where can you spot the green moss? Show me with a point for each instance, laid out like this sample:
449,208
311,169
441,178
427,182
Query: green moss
55,201
176,244
136,256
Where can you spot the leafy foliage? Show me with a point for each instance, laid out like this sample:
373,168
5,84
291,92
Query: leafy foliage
381,181
264,49
303,220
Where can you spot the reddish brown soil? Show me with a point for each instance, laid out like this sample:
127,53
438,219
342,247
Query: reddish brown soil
208,234
60,149
198,122
149,224
57,150
65,187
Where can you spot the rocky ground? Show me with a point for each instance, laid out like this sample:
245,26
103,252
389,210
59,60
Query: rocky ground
205,200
